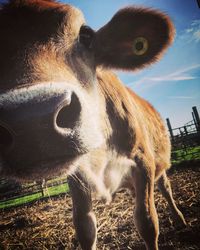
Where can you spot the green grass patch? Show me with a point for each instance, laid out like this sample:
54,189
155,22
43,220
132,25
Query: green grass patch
188,154
20,200
63,188
48,192
178,156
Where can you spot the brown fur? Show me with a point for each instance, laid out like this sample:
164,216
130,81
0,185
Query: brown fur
31,49
144,124
114,41
119,139
38,4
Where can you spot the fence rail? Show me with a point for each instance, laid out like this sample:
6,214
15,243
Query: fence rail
185,140
18,191
185,146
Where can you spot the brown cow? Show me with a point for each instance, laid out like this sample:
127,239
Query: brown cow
63,111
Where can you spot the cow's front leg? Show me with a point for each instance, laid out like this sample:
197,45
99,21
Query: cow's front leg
146,219
83,217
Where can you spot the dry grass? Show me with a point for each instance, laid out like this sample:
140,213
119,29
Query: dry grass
48,224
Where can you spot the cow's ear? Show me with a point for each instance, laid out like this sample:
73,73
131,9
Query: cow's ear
133,39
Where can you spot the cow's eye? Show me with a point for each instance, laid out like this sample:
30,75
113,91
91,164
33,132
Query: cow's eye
86,36
140,46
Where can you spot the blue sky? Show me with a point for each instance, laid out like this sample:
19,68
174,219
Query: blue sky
173,84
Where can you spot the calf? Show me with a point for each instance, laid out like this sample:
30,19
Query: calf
63,111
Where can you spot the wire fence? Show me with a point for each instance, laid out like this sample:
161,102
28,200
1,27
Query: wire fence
185,142
12,192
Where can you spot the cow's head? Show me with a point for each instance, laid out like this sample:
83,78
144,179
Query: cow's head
49,100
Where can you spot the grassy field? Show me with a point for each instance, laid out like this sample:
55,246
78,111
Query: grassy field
47,223
188,154
51,191
178,156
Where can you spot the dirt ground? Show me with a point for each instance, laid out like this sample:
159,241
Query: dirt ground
48,224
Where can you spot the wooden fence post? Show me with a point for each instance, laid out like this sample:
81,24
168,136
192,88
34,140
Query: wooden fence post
43,183
170,128
196,117
185,130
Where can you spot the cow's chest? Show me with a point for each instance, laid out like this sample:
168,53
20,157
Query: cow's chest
116,173
107,173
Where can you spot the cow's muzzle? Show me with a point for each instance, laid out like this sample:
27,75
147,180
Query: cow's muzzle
39,124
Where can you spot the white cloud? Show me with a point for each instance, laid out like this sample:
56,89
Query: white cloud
178,75
192,33
181,97
195,22
186,69
197,35
189,30
172,77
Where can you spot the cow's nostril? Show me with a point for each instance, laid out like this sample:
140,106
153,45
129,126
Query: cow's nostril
68,115
6,138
